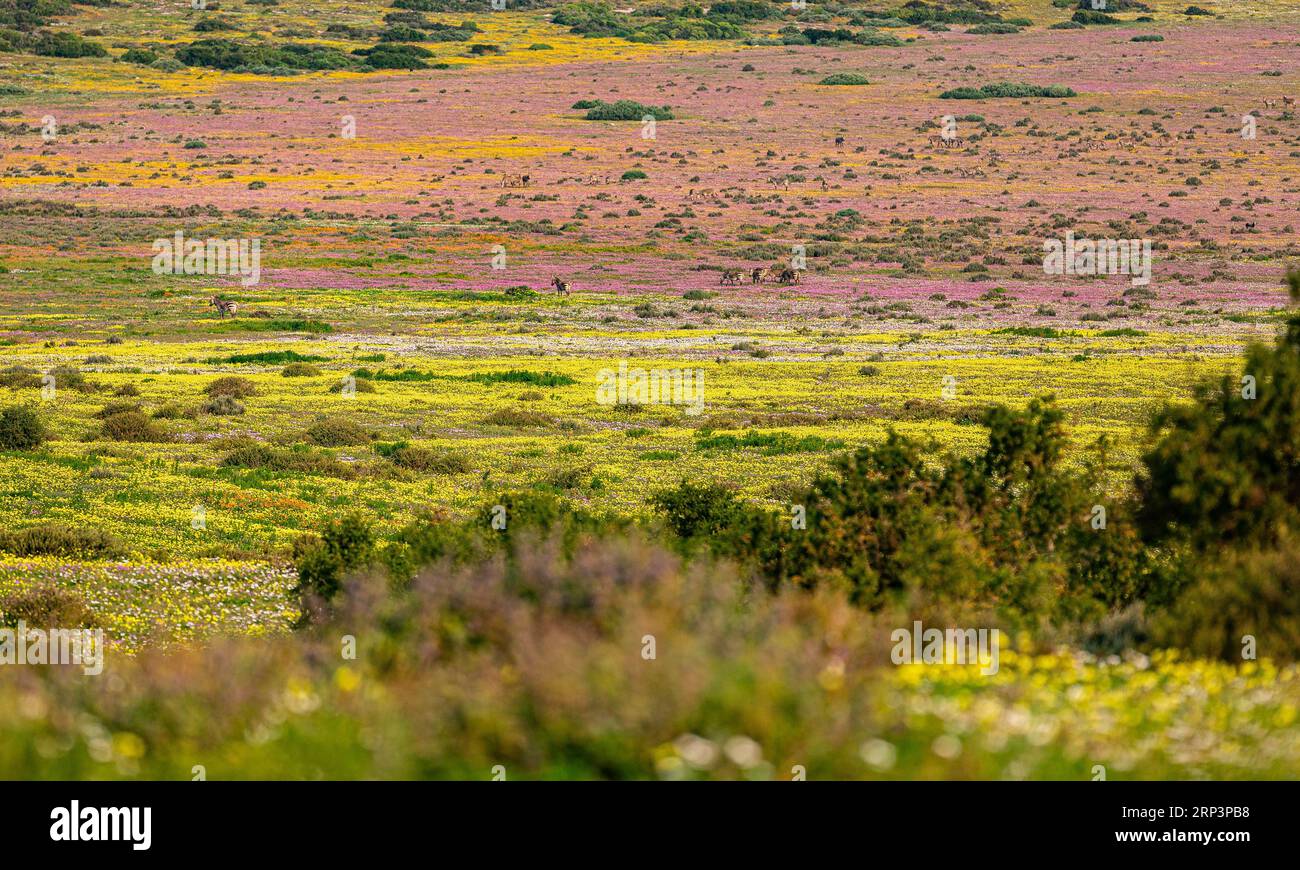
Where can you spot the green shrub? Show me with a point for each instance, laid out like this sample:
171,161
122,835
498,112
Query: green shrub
522,376
233,386
1225,468
116,408
58,539
345,545
21,429
693,511
269,357
63,44
1089,16
300,370
141,56
70,378
132,426
428,461
1000,90
222,406
845,78
626,110
304,461
20,378
518,417
1233,594
338,432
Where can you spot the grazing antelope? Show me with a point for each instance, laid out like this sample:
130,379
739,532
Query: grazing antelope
1288,102
512,180
789,276
1250,226
1269,104
561,287
732,277
223,307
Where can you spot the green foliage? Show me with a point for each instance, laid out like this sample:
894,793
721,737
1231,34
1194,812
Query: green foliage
1007,526
845,78
1234,594
338,432
21,429
243,56
626,110
64,44
767,443
522,376
1000,90
141,56
222,406
1089,16
426,460
132,426
58,539
389,55
346,544
1226,469
302,461
233,386
268,357
694,511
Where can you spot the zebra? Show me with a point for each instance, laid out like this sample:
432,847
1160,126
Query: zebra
789,276
514,181
757,275
732,276
223,307
561,287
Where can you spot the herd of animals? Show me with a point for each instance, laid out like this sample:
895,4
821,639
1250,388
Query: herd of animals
760,274
733,277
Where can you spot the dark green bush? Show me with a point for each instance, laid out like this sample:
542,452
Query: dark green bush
626,110
338,432
1000,90
345,544
845,78
21,429
1232,594
132,426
